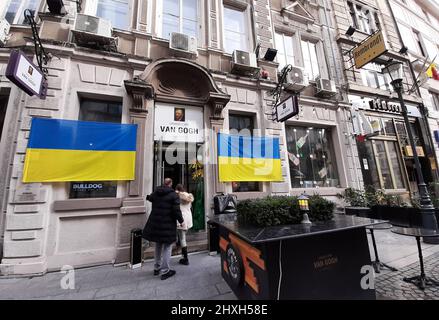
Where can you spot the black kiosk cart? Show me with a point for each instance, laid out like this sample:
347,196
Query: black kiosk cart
325,260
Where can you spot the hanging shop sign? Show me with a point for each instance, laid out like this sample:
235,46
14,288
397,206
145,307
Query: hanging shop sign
370,49
178,123
288,108
28,77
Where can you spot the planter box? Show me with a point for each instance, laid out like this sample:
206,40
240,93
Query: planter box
397,216
364,212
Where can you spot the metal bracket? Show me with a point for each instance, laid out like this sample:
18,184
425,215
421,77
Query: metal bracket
42,56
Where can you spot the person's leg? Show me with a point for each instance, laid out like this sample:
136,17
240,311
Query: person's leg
166,257
157,257
185,259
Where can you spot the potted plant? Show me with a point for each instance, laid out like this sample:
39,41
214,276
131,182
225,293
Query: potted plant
358,202
282,210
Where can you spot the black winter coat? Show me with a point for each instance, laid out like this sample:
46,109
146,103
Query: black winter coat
162,222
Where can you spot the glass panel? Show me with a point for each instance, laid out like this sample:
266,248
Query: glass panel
242,125
190,9
389,127
395,163
234,30
190,28
12,10
117,11
384,165
171,18
311,159
100,111
310,59
281,58
371,165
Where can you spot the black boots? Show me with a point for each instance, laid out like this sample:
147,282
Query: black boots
185,260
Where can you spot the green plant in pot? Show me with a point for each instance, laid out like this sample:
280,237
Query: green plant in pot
282,210
358,202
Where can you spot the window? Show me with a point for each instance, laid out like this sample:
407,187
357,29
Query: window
116,11
383,164
363,18
180,16
419,43
310,61
435,100
373,77
243,125
285,50
311,157
235,30
16,8
100,111
3,106
409,41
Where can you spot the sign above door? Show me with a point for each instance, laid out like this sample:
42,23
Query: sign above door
177,123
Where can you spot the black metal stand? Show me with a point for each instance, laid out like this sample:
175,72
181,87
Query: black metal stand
422,280
377,264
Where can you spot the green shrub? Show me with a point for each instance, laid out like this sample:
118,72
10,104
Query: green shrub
371,197
282,210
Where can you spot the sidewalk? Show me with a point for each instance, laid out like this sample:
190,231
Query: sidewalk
201,280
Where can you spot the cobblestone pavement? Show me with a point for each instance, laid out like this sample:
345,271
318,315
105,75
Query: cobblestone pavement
391,285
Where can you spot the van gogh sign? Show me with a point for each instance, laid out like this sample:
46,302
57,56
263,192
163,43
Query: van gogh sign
369,50
28,77
178,123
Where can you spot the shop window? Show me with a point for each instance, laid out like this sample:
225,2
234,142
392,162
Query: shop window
285,50
180,16
311,157
15,10
419,43
116,11
243,125
383,164
235,30
99,111
310,61
363,18
373,77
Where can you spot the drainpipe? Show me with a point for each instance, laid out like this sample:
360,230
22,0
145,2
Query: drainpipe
424,111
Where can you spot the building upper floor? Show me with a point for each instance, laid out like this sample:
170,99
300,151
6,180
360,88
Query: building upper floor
213,33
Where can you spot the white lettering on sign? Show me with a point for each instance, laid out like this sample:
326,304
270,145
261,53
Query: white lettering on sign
174,123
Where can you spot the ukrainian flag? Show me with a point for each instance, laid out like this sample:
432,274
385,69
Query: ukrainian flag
66,150
245,158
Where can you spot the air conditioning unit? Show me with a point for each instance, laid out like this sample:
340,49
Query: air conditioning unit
183,44
94,25
4,31
325,87
296,80
244,63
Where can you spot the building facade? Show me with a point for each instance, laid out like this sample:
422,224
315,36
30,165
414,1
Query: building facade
134,75
385,157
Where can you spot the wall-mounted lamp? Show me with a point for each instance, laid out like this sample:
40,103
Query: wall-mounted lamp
350,32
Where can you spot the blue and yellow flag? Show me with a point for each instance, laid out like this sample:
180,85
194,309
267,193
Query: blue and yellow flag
245,158
66,150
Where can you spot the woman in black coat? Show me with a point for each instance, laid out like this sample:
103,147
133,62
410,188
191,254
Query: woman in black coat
161,226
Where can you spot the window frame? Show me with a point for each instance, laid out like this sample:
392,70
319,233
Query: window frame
91,8
293,38
244,8
253,120
321,64
361,13
331,132
116,184
200,26
22,7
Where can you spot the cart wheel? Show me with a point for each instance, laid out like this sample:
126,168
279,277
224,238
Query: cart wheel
235,265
